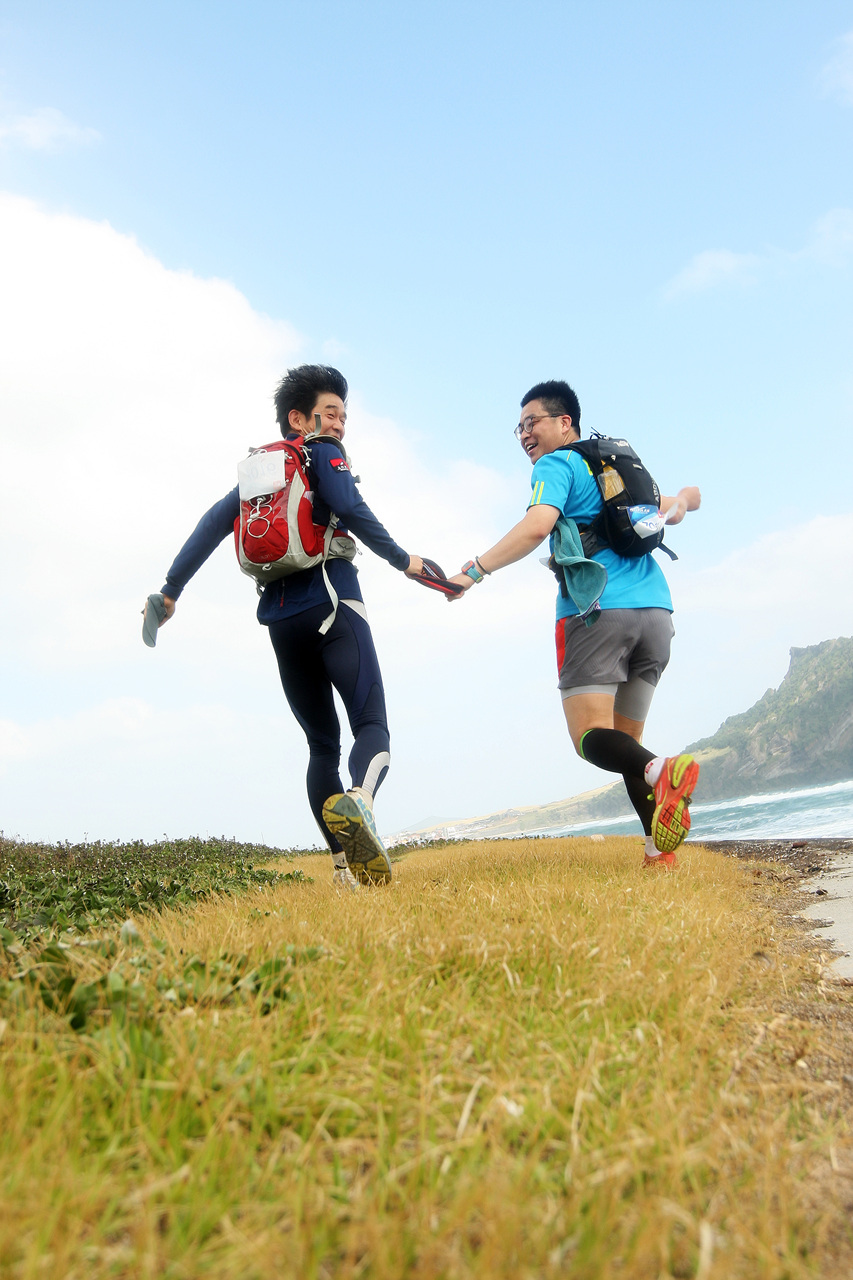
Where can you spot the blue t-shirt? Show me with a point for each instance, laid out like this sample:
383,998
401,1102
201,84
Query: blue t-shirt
564,480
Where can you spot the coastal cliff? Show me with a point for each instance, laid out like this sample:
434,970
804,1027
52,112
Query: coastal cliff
798,735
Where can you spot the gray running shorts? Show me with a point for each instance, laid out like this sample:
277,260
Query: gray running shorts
623,654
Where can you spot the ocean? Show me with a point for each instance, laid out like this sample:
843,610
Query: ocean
782,815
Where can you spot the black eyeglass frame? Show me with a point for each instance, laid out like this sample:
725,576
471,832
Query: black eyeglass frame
523,429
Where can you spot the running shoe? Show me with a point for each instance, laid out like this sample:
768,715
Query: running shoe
663,862
673,789
343,878
348,816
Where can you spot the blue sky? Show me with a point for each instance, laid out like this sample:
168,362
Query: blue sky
452,202
466,195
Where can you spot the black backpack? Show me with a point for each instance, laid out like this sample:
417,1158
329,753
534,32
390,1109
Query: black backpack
628,522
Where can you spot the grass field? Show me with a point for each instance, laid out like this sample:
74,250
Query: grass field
523,1059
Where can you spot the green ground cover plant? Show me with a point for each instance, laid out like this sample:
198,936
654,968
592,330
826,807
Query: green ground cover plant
45,889
523,1059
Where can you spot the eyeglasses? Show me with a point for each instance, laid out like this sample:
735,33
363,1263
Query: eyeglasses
527,424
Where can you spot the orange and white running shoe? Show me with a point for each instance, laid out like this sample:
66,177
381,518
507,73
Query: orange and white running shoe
673,789
663,862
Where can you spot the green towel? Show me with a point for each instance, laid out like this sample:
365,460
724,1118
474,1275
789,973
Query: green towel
584,579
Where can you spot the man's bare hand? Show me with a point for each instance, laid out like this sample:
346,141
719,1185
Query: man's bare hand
415,567
461,580
687,499
168,605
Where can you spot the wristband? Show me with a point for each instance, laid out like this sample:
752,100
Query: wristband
472,571
480,567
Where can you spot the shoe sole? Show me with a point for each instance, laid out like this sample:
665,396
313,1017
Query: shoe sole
671,820
365,853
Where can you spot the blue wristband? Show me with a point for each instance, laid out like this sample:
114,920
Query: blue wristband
472,571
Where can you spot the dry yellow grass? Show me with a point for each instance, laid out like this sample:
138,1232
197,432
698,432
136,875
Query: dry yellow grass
525,1059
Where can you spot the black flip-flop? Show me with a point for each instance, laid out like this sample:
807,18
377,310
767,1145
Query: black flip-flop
434,576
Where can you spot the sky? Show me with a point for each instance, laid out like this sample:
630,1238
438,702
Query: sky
450,202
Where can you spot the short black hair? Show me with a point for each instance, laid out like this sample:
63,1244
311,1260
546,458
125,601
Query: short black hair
300,387
558,398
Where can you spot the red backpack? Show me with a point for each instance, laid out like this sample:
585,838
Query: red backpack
276,532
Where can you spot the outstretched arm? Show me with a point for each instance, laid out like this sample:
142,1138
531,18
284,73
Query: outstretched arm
522,538
687,499
214,526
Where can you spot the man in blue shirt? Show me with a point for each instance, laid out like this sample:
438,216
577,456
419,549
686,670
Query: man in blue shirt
609,666
343,657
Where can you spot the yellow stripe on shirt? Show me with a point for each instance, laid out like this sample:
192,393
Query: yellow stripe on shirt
537,493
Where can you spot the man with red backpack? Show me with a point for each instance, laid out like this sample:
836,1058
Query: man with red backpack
317,650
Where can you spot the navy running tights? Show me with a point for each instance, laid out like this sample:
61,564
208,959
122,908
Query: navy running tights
310,666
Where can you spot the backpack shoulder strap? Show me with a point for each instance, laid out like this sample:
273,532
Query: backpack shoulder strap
590,451
336,444
319,435
591,448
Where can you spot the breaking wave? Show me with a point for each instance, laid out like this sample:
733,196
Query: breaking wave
803,814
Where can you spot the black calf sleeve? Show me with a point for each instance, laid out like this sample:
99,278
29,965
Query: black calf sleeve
615,751
641,796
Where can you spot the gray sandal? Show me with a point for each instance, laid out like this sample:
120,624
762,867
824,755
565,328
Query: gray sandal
155,613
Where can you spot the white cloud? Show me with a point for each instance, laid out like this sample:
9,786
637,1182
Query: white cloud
737,620
128,768
830,243
45,130
806,570
333,351
128,393
711,268
836,77
118,720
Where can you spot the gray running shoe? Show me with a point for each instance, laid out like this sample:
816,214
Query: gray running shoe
350,819
343,878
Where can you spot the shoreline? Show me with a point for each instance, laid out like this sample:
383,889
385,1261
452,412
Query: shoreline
804,860
807,857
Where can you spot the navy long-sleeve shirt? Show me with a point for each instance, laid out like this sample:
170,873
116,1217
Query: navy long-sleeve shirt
334,491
